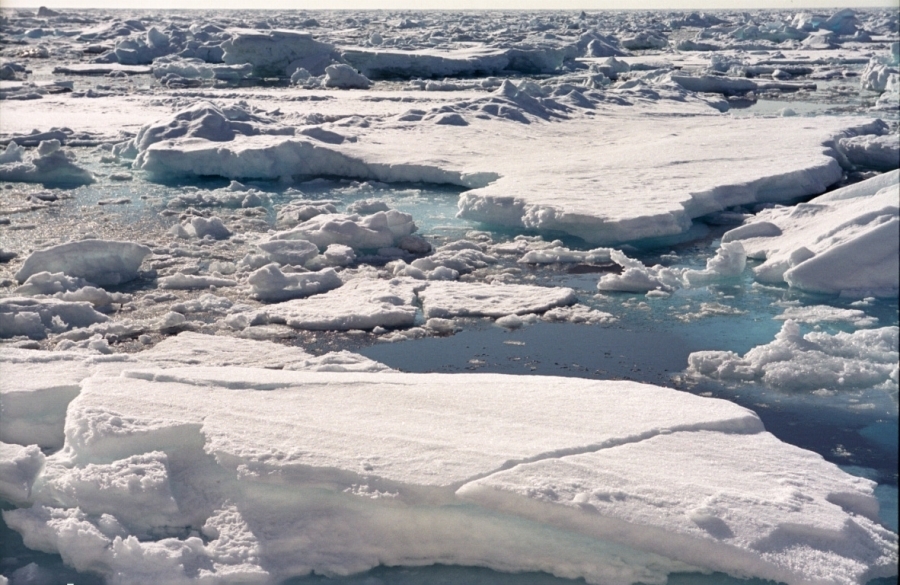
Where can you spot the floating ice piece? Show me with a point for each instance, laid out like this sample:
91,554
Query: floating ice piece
560,254
578,314
881,153
382,229
201,227
364,457
294,252
359,304
462,260
827,314
49,165
699,515
729,262
35,318
794,362
471,299
733,85
278,53
182,281
102,262
343,76
844,241
271,284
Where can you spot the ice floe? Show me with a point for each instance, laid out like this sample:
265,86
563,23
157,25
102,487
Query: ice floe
843,242
150,449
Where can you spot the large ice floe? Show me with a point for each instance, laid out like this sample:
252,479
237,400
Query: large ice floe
386,296
246,475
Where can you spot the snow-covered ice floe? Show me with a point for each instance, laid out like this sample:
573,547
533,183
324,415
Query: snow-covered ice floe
241,474
845,241
661,169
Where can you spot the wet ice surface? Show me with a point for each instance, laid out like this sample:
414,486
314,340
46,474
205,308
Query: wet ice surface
511,141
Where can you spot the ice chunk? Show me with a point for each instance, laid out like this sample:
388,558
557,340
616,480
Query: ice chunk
271,284
472,299
844,241
36,318
102,262
794,362
295,252
343,76
381,229
35,389
358,304
50,165
881,153
567,490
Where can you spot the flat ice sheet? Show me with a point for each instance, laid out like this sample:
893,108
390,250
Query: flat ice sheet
426,435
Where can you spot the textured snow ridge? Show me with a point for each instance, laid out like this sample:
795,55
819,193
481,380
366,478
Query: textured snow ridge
844,242
165,470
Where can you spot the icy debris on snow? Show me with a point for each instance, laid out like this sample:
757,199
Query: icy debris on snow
557,485
843,242
49,165
471,299
101,262
272,285
795,362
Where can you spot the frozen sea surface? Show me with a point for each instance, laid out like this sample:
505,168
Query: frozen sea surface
410,218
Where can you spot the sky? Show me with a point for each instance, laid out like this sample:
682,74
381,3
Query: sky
456,4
